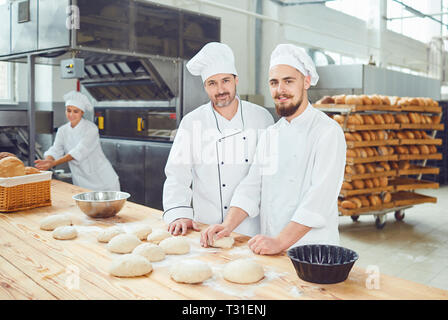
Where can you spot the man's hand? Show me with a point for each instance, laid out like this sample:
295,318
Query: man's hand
44,165
261,244
181,226
214,232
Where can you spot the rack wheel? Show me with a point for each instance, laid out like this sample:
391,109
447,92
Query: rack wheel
354,218
399,215
380,222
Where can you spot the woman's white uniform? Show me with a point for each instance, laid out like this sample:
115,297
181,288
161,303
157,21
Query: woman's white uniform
209,158
297,176
90,168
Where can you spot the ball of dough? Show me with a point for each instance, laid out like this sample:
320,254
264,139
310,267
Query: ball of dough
224,242
190,271
107,234
175,245
142,231
158,235
65,233
243,271
150,251
130,265
52,222
123,243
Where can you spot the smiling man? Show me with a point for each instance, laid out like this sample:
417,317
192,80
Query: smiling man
213,148
297,202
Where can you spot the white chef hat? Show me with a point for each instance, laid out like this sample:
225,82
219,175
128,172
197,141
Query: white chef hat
296,57
77,99
212,59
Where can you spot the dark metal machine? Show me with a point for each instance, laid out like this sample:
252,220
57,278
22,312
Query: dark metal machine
130,56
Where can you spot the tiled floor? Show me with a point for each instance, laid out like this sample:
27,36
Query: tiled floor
415,249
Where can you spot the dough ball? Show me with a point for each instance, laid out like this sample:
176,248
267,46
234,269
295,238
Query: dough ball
175,245
243,271
130,265
190,271
65,233
225,242
150,251
142,231
158,235
107,234
123,243
52,222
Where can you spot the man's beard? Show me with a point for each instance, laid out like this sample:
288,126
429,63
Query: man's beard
287,110
226,102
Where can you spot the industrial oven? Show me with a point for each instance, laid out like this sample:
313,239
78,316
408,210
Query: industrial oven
130,56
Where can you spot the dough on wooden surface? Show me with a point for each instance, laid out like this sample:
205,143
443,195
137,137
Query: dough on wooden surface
65,233
123,243
150,251
243,271
130,265
142,231
224,242
190,271
175,245
107,234
52,222
158,235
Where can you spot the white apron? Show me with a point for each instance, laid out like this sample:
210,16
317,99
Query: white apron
209,158
297,176
90,168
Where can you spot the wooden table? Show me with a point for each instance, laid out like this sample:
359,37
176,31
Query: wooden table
33,265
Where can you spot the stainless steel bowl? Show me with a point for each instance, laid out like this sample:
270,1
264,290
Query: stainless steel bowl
101,204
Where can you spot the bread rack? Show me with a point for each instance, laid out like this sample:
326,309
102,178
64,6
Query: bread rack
400,184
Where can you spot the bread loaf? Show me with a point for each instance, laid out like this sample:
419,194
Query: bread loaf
365,136
414,149
350,170
385,100
378,118
368,119
360,169
349,137
351,153
11,167
325,100
376,100
370,168
6,154
432,149
347,204
357,135
366,100
31,170
383,181
358,184
387,197
339,118
364,201
352,99
368,183
339,99
346,186
404,165
374,200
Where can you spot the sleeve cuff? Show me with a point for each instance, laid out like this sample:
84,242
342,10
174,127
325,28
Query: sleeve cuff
176,213
309,218
246,204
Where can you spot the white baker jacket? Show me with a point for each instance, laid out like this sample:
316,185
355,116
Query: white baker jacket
90,168
297,176
209,158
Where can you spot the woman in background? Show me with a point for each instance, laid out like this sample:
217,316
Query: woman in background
77,142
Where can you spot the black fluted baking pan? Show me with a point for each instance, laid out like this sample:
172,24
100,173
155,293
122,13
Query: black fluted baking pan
323,264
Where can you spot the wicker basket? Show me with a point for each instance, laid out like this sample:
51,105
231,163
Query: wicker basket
25,192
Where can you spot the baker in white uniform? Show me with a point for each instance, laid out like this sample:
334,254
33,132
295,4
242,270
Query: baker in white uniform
213,148
296,177
77,142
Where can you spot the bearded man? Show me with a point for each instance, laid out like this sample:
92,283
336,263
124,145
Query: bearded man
296,202
213,148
